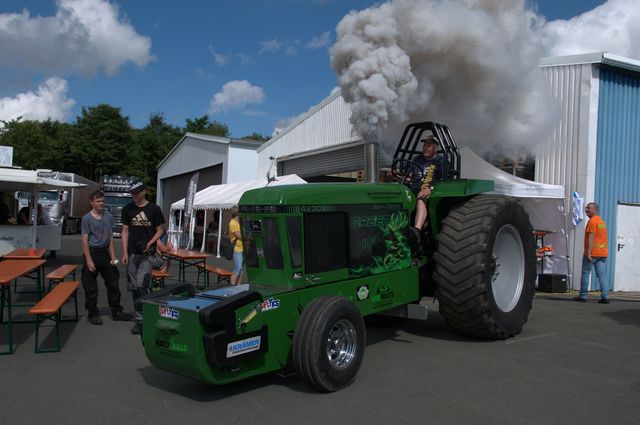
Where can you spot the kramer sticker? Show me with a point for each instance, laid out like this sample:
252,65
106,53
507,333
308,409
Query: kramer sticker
244,346
269,304
169,312
363,292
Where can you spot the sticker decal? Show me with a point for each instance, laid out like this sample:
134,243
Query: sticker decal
269,304
169,312
363,292
244,346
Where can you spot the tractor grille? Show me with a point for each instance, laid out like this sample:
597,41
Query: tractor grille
325,243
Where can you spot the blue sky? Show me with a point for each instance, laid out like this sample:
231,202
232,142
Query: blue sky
278,48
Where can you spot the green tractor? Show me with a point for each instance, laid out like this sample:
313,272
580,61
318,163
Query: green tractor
321,257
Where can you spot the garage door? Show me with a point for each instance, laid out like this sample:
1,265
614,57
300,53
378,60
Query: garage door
323,163
175,188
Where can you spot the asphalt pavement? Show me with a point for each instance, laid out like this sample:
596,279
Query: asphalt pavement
573,363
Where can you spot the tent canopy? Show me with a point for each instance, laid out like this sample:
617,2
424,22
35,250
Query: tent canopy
474,167
29,181
225,196
544,204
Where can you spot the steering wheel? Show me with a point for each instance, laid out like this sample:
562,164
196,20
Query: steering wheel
406,171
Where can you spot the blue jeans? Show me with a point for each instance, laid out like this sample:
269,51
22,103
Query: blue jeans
237,262
598,263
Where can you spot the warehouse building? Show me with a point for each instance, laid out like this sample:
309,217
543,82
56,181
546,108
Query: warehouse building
217,159
595,151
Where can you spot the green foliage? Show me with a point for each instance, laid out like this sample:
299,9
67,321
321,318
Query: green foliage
256,136
202,125
101,141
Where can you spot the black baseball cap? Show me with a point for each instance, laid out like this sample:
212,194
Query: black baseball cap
136,187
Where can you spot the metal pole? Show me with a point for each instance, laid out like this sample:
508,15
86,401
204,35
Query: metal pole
371,162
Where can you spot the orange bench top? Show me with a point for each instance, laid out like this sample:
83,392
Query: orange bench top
12,269
213,269
22,253
55,298
62,271
158,273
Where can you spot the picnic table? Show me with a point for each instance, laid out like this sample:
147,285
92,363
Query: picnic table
11,270
25,254
187,259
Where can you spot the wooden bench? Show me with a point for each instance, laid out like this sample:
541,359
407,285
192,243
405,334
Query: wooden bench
158,277
50,308
223,275
60,274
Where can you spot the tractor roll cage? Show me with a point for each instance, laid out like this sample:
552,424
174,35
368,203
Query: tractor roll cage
408,147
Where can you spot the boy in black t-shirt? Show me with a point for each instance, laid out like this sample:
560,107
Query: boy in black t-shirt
142,226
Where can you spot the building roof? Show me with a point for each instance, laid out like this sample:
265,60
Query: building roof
603,58
214,139
335,93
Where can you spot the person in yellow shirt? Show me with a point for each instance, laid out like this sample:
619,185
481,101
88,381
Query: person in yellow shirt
595,254
236,240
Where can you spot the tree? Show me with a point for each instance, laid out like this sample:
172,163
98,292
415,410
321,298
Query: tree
151,144
202,125
32,144
104,141
256,136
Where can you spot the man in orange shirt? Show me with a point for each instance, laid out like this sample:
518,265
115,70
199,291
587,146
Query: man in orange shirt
595,254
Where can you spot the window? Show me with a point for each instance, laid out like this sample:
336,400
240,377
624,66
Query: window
271,243
294,234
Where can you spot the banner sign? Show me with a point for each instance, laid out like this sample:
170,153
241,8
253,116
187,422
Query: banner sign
188,206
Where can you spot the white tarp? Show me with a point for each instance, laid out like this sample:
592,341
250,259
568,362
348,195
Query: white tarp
222,197
225,196
544,204
29,181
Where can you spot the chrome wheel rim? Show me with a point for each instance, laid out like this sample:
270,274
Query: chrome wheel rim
341,344
507,268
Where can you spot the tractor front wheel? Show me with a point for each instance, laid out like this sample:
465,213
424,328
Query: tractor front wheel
485,267
328,344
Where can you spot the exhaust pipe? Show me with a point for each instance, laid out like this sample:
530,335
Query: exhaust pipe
371,162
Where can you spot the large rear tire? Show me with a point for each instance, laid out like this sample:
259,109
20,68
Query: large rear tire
328,344
485,267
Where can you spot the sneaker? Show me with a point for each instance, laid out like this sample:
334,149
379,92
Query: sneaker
580,299
604,301
121,316
136,328
95,320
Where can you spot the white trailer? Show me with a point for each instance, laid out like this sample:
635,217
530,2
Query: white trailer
66,206
24,236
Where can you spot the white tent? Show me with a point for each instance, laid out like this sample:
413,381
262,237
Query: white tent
544,204
14,179
222,197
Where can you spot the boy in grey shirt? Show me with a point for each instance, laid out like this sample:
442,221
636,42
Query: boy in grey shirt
99,258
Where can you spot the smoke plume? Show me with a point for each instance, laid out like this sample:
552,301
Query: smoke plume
470,64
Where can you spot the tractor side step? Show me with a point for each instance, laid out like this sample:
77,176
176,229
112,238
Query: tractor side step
409,311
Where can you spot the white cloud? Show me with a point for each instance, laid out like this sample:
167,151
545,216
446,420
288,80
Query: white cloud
611,27
236,95
84,36
49,101
219,58
319,42
270,46
292,47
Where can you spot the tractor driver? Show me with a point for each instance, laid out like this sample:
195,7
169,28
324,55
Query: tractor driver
430,165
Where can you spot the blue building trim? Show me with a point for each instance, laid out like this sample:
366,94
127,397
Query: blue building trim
618,150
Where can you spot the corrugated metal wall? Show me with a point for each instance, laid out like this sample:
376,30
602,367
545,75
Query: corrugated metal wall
563,157
618,149
340,160
325,125
557,160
